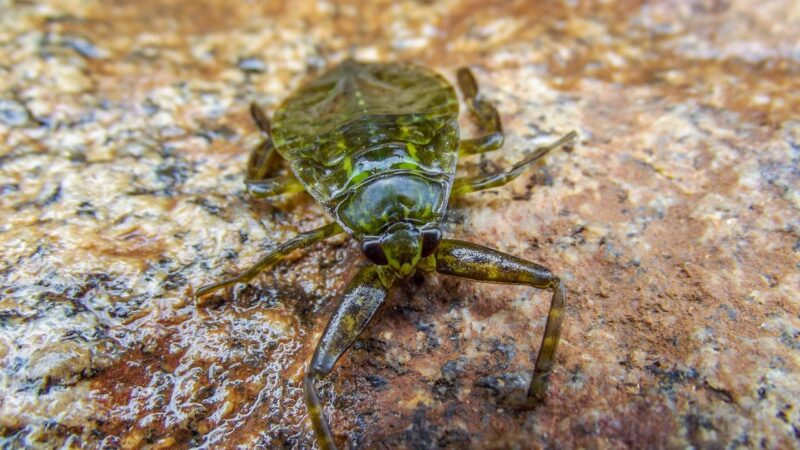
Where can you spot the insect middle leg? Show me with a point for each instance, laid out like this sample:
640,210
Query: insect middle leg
467,260
484,113
478,183
261,177
361,300
300,241
269,187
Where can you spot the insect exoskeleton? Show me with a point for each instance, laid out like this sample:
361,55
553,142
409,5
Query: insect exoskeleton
377,146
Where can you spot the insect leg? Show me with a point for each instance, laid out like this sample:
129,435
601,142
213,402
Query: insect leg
485,114
472,184
466,260
264,160
261,177
363,297
268,187
302,240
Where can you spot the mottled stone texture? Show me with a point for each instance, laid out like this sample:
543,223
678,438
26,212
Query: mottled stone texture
674,222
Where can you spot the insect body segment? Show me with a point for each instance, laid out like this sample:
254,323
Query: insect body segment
404,129
377,146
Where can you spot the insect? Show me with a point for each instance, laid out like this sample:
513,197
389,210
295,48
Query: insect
377,146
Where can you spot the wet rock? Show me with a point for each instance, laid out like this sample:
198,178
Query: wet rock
124,136
13,113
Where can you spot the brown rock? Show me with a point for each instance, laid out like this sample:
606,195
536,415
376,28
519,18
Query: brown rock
123,137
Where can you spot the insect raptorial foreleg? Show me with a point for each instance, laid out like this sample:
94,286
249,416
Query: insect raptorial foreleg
466,260
485,114
363,297
300,241
472,184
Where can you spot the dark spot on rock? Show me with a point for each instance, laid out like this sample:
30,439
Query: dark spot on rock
762,393
252,64
453,369
454,438
52,198
75,336
503,385
172,174
150,107
723,394
667,379
443,390
119,310
376,381
455,216
729,311
246,295
13,113
83,46
446,387
9,318
791,339
86,209
576,378
696,421
209,207
174,280
8,188
77,155
370,345
230,254
421,434
507,350
424,326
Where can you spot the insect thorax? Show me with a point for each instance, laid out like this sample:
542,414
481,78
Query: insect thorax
398,196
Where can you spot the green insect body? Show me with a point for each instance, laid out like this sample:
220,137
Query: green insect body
377,146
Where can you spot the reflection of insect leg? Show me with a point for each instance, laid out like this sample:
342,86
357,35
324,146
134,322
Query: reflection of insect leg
302,240
264,162
484,113
362,298
472,184
466,260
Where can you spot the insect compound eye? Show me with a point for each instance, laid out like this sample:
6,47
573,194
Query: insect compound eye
374,251
430,240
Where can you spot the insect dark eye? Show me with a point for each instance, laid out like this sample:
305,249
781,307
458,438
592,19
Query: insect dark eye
430,240
374,251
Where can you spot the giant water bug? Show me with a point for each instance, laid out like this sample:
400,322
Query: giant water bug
377,146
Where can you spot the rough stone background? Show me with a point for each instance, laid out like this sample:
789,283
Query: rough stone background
675,223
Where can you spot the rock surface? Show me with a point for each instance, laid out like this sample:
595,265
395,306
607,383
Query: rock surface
675,223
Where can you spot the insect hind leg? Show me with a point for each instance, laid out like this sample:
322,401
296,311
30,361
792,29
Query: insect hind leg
479,183
467,260
484,113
